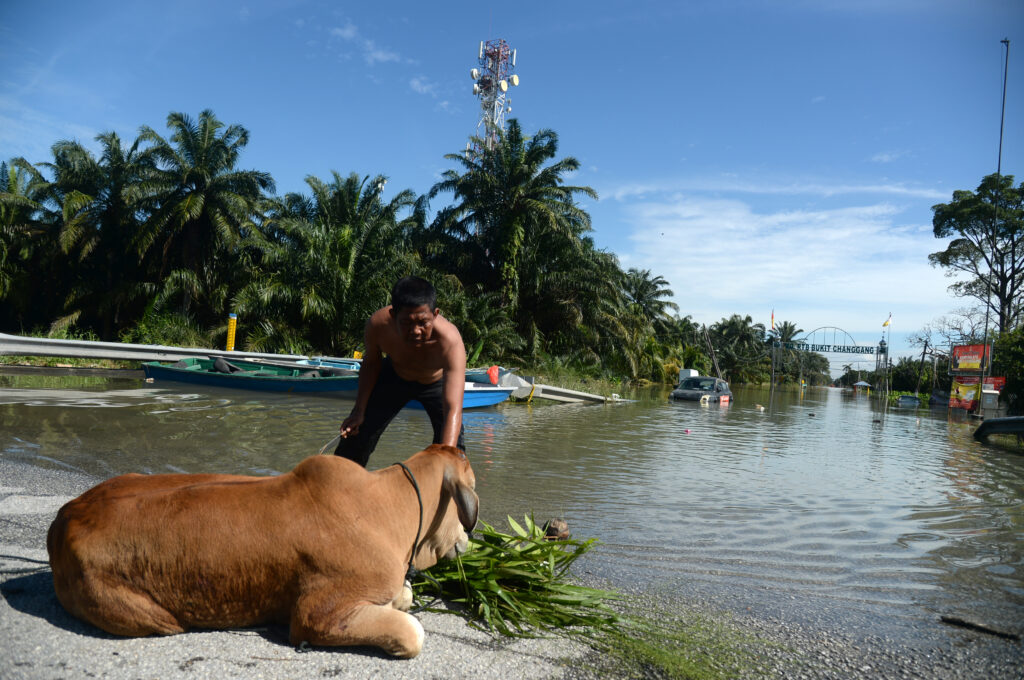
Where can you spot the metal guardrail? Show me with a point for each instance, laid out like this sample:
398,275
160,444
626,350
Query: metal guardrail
120,351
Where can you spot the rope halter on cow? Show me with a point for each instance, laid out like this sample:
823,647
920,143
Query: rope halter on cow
412,572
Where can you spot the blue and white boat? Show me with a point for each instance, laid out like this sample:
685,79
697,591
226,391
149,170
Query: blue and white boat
478,393
317,375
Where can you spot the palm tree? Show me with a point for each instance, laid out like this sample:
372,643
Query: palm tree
33,281
787,332
100,219
328,261
648,293
739,345
200,205
507,201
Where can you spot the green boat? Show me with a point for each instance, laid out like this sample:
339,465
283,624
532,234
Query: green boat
339,377
261,376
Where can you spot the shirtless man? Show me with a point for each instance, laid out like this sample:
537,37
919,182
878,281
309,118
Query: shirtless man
426,361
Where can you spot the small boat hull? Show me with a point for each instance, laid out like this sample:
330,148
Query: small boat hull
332,377
255,376
477,395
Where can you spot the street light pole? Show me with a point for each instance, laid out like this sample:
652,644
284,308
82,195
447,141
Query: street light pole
987,365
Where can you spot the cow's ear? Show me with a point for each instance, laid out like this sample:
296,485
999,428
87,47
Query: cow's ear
466,501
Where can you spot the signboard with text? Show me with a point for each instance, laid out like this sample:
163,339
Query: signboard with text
965,392
994,382
968,359
840,349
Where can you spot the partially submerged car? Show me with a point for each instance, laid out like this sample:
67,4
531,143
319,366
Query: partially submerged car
704,389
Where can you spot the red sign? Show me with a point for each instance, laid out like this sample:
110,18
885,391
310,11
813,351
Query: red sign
993,382
970,358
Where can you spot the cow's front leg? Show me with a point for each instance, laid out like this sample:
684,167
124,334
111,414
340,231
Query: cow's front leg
403,601
363,623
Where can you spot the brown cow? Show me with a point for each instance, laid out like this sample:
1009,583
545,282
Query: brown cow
323,548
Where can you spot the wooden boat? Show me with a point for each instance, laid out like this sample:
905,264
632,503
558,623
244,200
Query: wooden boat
1007,425
254,375
324,376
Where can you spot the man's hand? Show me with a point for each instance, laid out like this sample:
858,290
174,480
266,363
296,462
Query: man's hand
351,424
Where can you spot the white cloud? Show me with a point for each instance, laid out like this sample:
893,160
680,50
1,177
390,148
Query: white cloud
421,85
27,132
346,32
794,188
888,156
371,53
846,266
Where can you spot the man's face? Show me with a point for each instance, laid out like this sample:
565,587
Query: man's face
415,324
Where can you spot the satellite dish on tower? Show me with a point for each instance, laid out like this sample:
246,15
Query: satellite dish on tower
496,62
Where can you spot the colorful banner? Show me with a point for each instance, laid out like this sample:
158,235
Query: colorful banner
969,358
965,392
994,382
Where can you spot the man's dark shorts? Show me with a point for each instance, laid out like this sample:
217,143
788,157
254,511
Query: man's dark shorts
389,396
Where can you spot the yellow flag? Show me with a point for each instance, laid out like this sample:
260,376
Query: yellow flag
887,321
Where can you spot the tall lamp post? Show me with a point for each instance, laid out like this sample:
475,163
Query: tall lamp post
987,365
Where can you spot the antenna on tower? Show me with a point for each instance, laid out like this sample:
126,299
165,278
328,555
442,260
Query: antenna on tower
497,61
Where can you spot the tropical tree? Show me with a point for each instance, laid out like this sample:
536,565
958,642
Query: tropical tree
987,228
511,203
739,346
648,293
788,358
1008,360
327,262
488,333
100,218
33,278
202,208
17,208
785,331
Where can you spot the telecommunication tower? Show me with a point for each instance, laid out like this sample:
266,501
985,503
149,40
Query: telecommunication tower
497,62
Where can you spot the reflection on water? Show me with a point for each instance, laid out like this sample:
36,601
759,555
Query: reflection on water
819,495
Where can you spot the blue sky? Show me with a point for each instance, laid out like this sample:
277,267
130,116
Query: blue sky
757,155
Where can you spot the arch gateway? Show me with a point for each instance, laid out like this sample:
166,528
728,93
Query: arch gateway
831,340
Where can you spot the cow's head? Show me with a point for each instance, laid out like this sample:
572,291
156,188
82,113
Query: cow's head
445,534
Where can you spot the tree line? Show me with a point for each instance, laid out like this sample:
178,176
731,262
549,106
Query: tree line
158,239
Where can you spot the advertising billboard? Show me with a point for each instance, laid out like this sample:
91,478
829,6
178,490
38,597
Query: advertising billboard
994,382
969,359
965,392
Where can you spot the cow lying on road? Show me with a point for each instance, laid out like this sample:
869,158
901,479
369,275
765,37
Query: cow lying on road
323,548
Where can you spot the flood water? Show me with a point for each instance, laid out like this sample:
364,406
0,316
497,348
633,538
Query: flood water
821,505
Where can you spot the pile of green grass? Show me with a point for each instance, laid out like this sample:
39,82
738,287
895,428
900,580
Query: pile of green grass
518,585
